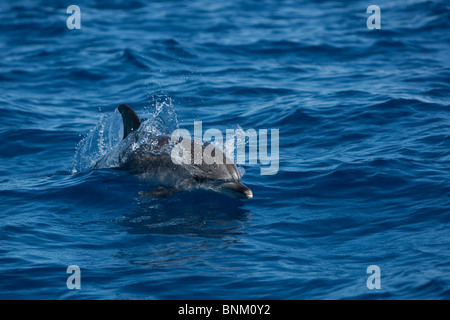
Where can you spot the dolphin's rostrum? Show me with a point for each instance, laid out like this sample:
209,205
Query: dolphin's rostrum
149,157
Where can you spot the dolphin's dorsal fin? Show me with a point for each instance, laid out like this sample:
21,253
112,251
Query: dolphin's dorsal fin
131,121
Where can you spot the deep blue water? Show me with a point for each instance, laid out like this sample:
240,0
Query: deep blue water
364,132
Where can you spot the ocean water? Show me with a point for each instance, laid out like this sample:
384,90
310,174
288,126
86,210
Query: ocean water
364,149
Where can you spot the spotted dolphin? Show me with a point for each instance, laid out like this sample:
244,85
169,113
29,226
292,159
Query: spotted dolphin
151,160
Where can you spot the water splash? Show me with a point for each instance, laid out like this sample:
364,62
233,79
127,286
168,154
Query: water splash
103,146
103,137
104,142
161,114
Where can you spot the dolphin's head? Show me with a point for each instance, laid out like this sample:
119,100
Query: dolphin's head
236,188
226,175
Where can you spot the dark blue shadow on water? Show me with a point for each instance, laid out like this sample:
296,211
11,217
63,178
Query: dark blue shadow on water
189,213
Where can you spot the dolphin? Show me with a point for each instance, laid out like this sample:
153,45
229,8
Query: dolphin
150,159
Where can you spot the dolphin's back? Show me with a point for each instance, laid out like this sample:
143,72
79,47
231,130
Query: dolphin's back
155,158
